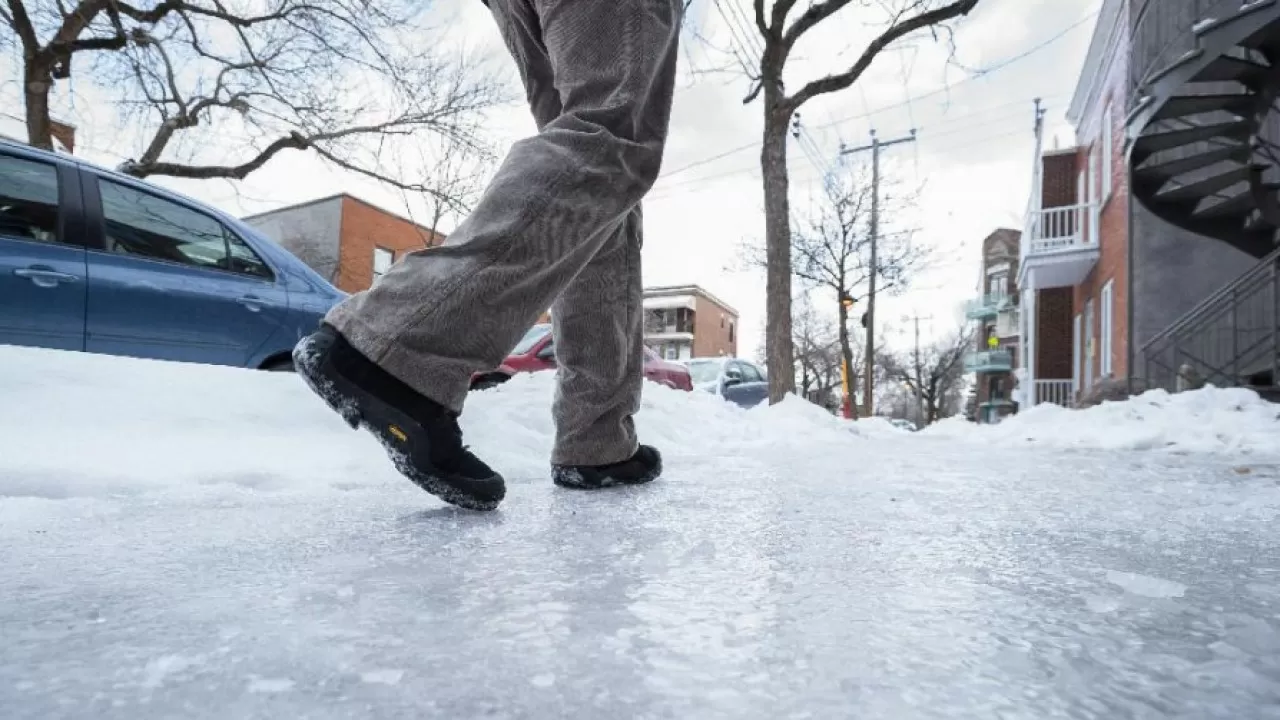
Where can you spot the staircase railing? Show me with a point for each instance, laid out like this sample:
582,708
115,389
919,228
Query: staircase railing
1164,30
1230,338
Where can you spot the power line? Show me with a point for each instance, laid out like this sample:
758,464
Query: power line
668,189
982,73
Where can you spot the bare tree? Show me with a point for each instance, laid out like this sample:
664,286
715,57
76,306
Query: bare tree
817,349
780,33
935,374
223,88
831,250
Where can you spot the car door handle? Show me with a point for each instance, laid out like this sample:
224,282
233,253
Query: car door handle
252,302
45,278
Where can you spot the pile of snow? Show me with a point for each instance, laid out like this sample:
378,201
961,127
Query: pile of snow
1210,420
82,425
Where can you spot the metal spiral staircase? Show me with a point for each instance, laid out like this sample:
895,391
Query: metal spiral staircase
1204,156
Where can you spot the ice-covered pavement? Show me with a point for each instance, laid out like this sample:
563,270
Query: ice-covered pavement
185,542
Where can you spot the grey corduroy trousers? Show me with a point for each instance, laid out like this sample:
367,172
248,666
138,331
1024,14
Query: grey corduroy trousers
558,227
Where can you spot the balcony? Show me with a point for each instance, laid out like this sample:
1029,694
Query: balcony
989,361
1059,246
987,306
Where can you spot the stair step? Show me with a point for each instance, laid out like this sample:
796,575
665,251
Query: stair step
1246,9
1173,168
1183,105
1226,68
1156,142
1204,188
1237,205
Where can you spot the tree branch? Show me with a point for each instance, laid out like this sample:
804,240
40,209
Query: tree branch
835,83
21,23
811,17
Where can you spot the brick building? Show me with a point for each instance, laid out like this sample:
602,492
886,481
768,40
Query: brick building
995,356
1102,275
684,322
345,239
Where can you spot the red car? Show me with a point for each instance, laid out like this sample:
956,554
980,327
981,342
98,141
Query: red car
536,352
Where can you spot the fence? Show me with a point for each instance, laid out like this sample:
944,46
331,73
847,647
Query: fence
1057,392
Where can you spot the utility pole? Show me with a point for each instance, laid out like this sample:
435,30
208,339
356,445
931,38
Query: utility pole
870,317
919,369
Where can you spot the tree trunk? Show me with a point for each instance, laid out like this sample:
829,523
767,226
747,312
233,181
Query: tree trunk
35,90
777,236
846,357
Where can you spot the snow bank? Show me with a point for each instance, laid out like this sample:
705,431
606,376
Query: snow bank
1211,420
75,425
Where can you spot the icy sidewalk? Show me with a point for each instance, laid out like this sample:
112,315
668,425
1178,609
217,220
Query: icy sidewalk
207,543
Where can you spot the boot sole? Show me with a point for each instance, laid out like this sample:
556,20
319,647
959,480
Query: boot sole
573,479
361,410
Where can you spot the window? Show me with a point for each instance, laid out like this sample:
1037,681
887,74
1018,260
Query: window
1104,330
28,200
750,373
382,261
1088,344
671,351
731,331
998,284
531,338
1106,152
148,226
1076,353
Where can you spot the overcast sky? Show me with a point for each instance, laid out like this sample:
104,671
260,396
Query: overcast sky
973,114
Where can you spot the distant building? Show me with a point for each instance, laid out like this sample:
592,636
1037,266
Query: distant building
684,322
347,240
995,358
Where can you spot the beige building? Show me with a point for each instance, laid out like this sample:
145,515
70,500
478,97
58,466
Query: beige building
683,322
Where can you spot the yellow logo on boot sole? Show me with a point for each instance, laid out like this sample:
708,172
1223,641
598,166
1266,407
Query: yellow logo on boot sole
397,433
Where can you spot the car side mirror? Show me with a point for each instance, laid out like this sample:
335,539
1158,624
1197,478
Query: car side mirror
732,377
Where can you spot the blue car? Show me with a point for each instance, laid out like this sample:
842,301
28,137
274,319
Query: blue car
96,261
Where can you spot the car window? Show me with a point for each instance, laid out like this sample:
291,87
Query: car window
704,371
531,338
749,372
145,225
28,200
244,260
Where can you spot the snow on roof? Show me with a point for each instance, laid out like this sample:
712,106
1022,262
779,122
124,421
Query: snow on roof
669,302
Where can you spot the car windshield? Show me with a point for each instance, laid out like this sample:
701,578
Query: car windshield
531,338
705,371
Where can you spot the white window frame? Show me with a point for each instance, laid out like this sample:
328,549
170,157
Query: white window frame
1088,343
379,252
1105,165
1077,352
1105,330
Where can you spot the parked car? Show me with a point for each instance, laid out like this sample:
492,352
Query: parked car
536,352
741,382
96,261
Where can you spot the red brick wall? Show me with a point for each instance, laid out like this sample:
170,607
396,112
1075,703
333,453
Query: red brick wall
1113,248
365,227
711,329
1060,178
1053,334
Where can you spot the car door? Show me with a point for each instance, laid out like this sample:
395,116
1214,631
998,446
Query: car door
736,386
754,389
42,256
170,281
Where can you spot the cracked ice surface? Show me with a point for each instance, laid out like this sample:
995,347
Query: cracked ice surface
224,548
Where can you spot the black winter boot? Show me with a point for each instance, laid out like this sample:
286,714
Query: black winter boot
644,466
421,436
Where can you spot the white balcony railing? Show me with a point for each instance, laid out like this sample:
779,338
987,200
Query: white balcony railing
1061,228
1057,392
